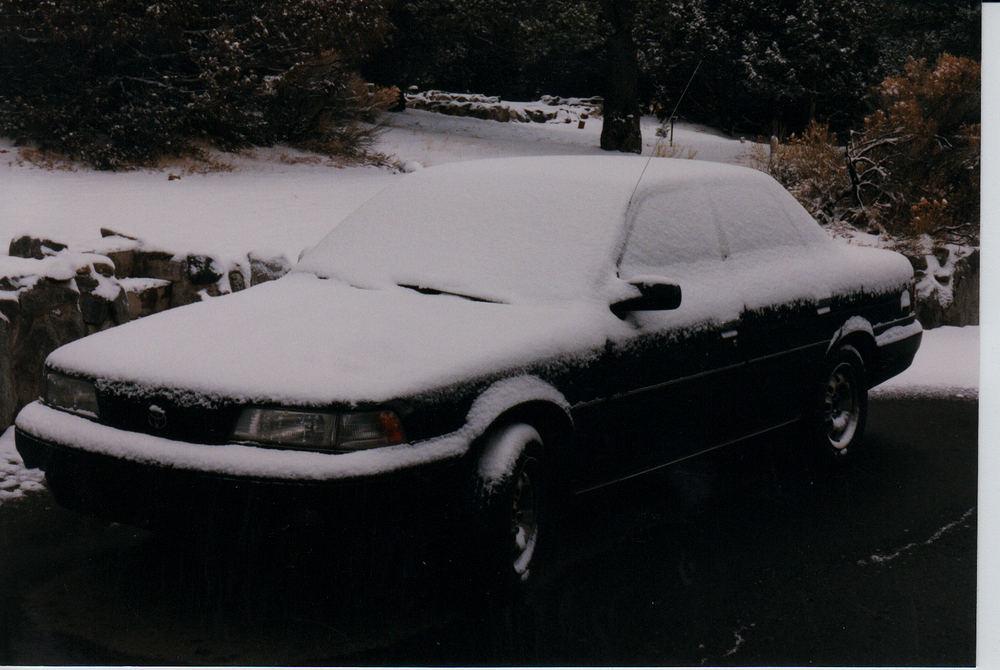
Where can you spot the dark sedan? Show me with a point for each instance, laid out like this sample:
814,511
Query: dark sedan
490,331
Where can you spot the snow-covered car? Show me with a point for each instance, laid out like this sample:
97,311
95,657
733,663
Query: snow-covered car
493,331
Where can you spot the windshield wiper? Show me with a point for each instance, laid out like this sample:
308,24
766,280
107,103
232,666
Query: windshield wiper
433,291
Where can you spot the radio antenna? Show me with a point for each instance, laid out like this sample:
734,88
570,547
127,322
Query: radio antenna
659,137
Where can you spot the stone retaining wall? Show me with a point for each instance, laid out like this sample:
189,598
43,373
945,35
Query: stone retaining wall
51,295
549,109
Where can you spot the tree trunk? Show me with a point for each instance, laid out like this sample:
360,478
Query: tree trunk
621,96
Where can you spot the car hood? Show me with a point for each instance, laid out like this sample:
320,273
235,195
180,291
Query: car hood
307,341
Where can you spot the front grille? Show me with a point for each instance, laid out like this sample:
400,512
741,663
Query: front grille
163,416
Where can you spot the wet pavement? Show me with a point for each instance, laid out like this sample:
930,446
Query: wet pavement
750,556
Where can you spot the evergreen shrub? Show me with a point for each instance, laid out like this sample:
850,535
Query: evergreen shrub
120,83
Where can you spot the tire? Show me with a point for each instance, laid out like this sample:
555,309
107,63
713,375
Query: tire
508,508
843,405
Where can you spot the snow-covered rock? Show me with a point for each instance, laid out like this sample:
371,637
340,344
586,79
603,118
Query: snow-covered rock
52,294
948,286
45,303
549,109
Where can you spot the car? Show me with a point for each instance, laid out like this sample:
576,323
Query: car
492,333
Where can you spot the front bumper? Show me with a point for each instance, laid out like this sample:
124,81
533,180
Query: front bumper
897,346
150,482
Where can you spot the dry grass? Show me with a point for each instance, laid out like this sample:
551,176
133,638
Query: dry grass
665,150
46,160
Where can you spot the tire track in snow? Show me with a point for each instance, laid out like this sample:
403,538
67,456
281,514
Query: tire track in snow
738,634
885,558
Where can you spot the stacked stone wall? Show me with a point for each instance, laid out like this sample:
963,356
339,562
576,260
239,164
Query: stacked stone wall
51,295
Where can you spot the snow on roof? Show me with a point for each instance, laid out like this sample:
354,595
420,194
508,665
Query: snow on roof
508,229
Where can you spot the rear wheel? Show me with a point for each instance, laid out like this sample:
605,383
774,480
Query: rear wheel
843,404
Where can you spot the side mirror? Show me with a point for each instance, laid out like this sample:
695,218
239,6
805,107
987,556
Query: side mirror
655,294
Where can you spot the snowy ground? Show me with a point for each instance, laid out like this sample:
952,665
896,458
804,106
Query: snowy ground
285,201
276,200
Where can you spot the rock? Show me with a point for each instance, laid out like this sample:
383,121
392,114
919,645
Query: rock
107,232
965,292
237,282
102,300
120,250
202,270
124,262
186,293
159,265
46,316
265,267
9,406
95,310
27,246
947,286
145,296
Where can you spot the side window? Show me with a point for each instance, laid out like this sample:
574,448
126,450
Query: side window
671,231
752,218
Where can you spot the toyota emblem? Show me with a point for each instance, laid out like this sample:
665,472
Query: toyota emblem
157,417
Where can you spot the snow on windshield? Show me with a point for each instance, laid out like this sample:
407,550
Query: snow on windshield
506,230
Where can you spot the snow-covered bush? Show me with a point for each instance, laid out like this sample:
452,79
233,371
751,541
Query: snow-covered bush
811,166
914,168
121,82
916,163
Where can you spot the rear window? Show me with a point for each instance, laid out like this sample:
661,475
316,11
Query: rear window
762,215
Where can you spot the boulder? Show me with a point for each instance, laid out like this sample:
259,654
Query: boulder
27,246
159,265
267,267
947,286
146,296
46,316
237,280
39,313
202,270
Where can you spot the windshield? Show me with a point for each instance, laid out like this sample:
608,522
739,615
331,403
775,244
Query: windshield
504,230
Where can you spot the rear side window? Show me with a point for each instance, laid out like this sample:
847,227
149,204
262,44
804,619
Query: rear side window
671,230
754,217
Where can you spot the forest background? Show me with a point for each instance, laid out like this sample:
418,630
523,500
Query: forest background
892,87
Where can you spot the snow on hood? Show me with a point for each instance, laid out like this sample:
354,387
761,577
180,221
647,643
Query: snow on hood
307,341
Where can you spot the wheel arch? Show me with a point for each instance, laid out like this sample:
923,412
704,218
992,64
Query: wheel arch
528,400
858,333
552,422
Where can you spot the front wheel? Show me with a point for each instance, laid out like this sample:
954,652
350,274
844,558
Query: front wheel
509,505
843,404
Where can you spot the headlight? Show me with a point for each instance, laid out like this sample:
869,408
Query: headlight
319,430
70,394
366,430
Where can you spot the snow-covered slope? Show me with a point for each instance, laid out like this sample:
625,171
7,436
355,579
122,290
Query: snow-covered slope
277,200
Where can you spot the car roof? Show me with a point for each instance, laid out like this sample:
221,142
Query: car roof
505,229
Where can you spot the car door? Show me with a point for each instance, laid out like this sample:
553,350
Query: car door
784,324
670,382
